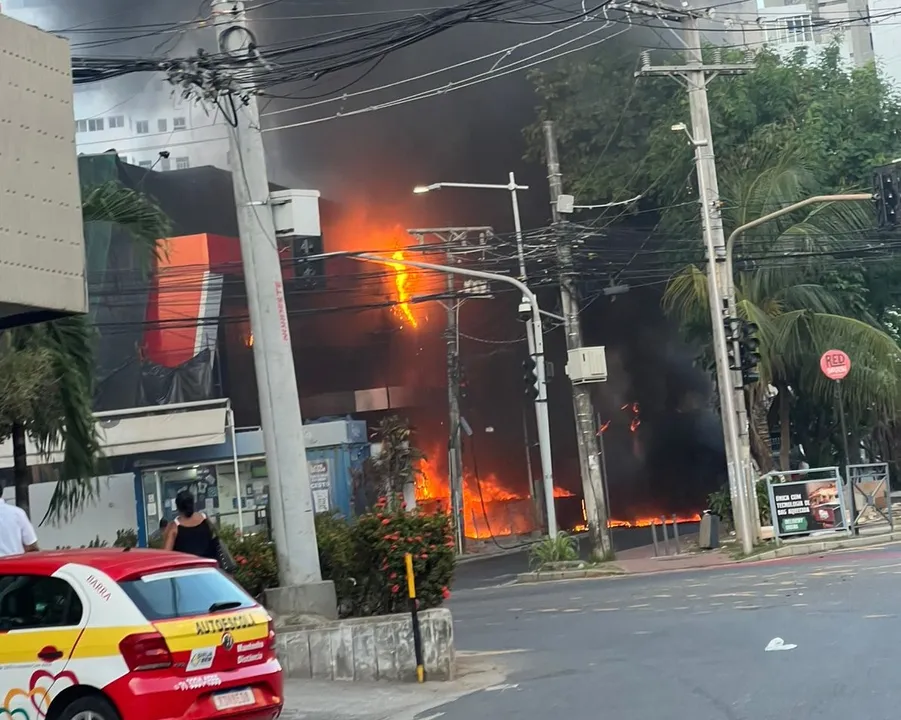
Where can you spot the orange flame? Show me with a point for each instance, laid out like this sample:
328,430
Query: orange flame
489,508
401,279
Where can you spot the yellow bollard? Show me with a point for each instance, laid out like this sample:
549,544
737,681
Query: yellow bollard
417,635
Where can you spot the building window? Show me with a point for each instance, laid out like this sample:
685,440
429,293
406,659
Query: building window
794,30
161,125
146,164
116,121
182,163
142,127
95,124
81,126
179,123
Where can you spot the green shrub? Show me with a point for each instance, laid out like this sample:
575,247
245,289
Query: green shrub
365,558
720,503
257,568
562,548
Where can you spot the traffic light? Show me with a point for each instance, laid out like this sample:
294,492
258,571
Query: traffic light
887,187
750,357
733,334
530,377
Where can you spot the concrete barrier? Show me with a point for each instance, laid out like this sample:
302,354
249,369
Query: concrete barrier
377,648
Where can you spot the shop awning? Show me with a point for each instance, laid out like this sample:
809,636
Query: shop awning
140,431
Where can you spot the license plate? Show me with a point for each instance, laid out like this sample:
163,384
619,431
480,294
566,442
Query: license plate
234,699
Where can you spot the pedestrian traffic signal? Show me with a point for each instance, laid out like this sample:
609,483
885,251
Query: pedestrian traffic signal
749,346
733,334
530,377
887,187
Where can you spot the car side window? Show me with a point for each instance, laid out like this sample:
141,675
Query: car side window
29,602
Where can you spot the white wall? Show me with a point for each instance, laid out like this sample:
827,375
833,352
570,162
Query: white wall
112,509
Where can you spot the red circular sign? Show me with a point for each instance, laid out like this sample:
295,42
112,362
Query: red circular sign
835,364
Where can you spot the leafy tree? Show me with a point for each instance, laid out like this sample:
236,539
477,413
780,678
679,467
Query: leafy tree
47,369
800,308
790,128
616,142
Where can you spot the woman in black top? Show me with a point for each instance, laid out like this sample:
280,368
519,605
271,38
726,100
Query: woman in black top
191,532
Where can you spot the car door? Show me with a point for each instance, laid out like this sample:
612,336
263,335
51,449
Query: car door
41,620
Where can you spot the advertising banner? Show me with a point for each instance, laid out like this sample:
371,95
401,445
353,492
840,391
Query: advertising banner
804,506
320,485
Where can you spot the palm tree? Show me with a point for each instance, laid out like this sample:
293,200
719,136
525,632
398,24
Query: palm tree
47,369
785,286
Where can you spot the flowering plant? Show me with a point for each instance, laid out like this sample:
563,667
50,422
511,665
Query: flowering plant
366,558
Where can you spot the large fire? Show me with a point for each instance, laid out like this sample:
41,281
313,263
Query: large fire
489,508
401,285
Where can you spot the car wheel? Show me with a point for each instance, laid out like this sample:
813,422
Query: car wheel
92,707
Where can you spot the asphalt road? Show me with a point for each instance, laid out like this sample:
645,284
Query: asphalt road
691,645
501,569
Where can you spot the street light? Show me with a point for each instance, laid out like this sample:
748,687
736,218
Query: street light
541,410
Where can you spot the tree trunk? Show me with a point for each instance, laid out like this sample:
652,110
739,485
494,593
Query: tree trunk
20,468
784,429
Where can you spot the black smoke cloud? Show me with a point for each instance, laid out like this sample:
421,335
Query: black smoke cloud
373,161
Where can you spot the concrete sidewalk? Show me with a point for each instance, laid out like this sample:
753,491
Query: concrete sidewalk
337,700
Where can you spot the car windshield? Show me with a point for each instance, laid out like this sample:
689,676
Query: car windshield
185,593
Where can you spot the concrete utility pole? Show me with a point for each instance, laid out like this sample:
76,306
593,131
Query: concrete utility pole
454,445
695,74
544,432
592,480
459,242
290,501
541,411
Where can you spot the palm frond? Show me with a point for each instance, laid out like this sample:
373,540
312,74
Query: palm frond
686,297
112,202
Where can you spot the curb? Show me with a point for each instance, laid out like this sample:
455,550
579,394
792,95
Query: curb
813,548
555,575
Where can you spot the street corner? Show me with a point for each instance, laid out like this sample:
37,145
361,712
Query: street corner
331,700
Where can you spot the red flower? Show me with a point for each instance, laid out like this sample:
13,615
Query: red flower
423,557
392,576
445,593
395,589
386,521
403,505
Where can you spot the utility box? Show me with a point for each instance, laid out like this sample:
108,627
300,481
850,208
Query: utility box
587,365
296,213
42,261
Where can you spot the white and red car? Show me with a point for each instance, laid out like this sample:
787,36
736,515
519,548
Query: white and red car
114,634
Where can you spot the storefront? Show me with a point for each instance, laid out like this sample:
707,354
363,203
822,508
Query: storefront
230,482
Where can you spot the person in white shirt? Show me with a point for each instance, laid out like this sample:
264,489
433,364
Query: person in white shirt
17,534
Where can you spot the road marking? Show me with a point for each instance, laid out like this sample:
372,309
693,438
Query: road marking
702,612
733,594
642,632
799,604
642,605
661,596
572,610
490,653
747,607
548,610
501,688
431,717
716,604
604,609
577,597
514,609
681,607
875,617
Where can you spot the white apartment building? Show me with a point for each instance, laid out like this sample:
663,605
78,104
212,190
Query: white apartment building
143,118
